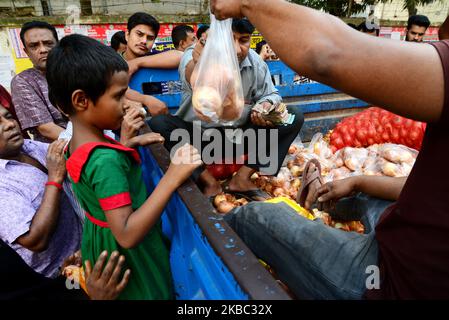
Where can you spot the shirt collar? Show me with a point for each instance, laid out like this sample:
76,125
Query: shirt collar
246,63
28,148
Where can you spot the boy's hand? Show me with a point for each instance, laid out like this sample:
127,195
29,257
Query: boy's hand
73,260
133,121
105,284
145,139
56,161
184,161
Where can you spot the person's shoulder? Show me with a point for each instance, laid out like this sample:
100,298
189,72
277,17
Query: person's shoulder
36,145
255,58
107,156
27,76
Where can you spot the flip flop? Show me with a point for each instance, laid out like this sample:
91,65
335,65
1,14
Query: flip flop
250,195
308,177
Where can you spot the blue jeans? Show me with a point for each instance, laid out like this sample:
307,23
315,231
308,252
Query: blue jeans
314,260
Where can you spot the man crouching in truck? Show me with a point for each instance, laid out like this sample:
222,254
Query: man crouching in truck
258,88
39,229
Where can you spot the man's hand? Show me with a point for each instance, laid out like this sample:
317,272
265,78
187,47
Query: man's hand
258,120
106,284
133,66
56,162
155,106
328,194
223,9
197,50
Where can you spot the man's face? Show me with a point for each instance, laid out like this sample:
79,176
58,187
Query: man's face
38,43
242,42
415,34
191,39
140,39
11,139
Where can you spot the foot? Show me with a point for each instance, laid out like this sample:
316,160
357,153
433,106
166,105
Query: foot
242,183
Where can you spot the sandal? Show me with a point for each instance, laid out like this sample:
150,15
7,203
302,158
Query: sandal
308,177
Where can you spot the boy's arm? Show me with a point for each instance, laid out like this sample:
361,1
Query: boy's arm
164,60
405,78
129,228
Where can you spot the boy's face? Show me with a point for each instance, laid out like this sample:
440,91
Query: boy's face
242,42
108,112
140,39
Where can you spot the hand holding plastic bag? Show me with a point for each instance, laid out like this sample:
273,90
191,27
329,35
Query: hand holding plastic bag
217,85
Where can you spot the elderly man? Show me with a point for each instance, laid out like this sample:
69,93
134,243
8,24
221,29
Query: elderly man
37,219
29,88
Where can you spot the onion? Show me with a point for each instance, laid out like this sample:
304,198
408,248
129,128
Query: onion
296,171
290,164
296,183
225,207
268,187
292,149
278,192
278,182
254,176
219,198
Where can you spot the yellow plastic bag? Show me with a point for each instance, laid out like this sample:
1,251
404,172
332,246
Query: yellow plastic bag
295,206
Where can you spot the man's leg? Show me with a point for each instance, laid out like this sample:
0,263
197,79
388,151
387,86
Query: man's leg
314,260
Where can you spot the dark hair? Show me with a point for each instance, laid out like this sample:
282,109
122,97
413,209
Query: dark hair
179,33
259,46
36,25
365,27
201,30
79,62
117,39
143,18
418,20
242,26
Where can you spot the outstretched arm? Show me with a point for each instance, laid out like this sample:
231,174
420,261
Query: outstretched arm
405,78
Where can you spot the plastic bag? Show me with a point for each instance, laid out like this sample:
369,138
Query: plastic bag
217,85
397,153
354,158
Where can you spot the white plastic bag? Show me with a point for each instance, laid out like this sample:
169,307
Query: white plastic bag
217,85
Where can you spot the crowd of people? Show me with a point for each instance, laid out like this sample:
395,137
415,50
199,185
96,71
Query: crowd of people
71,187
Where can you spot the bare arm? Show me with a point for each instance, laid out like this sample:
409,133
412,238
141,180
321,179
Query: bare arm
443,33
50,130
155,106
405,78
165,60
46,218
387,188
